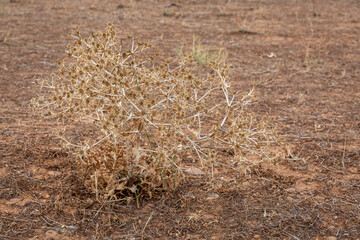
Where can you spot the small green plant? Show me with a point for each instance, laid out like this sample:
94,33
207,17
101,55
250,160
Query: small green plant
4,5
150,113
202,54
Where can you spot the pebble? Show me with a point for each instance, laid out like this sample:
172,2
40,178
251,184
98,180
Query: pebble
51,234
211,196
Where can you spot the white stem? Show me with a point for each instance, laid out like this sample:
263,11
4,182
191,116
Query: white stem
206,94
227,114
100,140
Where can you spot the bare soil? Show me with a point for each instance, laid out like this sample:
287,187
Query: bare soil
304,58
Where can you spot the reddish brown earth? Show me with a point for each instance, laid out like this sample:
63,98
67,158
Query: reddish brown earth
304,57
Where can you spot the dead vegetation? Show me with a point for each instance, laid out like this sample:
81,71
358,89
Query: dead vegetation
152,113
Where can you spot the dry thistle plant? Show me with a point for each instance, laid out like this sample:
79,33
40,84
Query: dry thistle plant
151,113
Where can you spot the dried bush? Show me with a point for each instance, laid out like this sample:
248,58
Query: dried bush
151,114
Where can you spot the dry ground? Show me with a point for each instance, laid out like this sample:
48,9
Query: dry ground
304,57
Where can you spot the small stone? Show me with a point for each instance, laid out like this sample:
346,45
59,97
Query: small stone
290,190
211,196
15,200
51,234
330,238
246,184
194,171
54,173
189,195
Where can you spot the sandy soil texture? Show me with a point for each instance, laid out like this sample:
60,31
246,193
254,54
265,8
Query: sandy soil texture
304,58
